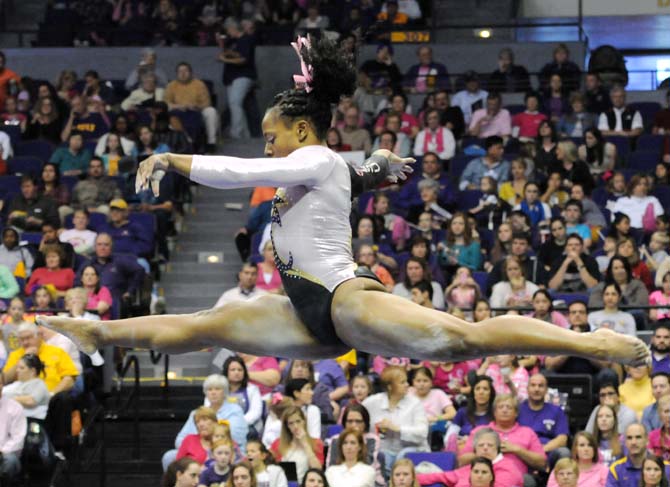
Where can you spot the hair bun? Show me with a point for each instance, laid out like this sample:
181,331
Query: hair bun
333,74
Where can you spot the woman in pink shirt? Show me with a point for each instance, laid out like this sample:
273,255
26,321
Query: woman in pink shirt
661,297
99,297
659,439
436,403
592,472
507,374
263,372
268,276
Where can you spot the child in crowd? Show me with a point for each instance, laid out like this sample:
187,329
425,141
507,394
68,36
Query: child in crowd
507,374
216,475
656,253
661,297
463,290
609,249
267,473
489,200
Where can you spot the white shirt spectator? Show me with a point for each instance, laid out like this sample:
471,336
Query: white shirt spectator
37,389
634,207
465,99
621,322
603,125
360,475
82,241
441,142
408,414
12,427
139,96
272,427
5,146
408,7
502,291
238,294
273,476
127,145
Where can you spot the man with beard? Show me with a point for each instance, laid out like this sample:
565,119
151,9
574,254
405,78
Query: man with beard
660,348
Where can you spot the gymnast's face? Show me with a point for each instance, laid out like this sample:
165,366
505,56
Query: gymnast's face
283,136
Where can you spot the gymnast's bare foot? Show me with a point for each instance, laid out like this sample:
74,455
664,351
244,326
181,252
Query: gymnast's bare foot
87,335
621,348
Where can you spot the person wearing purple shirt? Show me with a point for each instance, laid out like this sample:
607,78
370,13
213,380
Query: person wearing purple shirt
479,409
626,472
431,169
548,421
129,237
330,374
660,348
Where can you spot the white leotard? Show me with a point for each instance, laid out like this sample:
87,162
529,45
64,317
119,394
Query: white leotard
310,216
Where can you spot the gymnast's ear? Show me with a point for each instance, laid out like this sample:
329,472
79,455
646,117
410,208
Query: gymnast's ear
302,129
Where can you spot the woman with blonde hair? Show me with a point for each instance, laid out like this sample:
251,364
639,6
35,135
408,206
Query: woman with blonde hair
566,474
514,289
197,445
592,471
403,474
295,445
571,168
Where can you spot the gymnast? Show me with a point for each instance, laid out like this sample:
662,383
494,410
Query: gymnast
330,307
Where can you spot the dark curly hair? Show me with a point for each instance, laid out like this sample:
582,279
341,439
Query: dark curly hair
333,76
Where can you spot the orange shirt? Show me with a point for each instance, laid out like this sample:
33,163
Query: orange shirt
261,194
5,76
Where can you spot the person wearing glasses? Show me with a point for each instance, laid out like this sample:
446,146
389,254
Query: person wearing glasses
608,394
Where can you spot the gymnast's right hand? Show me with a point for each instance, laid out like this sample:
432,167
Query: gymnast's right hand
150,173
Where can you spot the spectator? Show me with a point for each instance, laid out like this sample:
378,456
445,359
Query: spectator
654,471
608,394
6,151
410,8
532,269
28,210
543,309
182,473
426,76
538,212
487,445
656,254
8,285
94,89
301,392
627,249
13,426
472,98
398,416
72,160
392,139
597,99
45,122
312,21
29,390
491,120
636,392
409,125
509,377
512,191
660,348
592,214
263,371
351,469
576,123
125,135
661,125
478,411
509,77
638,201
620,227
525,125
51,187
522,445
660,386
215,389
391,16
514,290
91,125
633,291
12,116
382,71
52,274
435,138
79,237
562,66
563,364
452,117
620,119
218,472
555,101
334,141
571,168
606,434
459,248
394,224
14,317
129,237
14,256
432,168
246,289
351,134
113,153
295,444
247,395
545,150
463,291
144,96
196,444
573,221
553,248
575,271
119,273
189,93
658,436
367,256
417,270
147,64
96,191
239,76
628,470
9,81
436,404
492,164
50,239
267,474
99,298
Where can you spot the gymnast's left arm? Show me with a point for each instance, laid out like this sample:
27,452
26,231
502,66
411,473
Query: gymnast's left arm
381,166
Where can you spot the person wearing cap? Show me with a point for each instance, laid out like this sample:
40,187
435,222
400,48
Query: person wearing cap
72,160
491,120
382,71
427,75
147,91
129,237
471,98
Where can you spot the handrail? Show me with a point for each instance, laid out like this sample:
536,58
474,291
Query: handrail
155,358
134,395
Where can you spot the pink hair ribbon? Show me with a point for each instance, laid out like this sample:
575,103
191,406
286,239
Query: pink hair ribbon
303,80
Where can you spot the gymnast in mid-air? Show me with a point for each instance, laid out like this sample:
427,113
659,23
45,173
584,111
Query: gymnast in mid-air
329,307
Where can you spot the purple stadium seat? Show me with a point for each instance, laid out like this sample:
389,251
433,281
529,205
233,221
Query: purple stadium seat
622,144
147,221
25,165
650,143
600,196
569,298
34,148
663,195
458,163
481,278
33,238
445,460
644,161
334,429
14,132
514,109
647,109
468,199
9,184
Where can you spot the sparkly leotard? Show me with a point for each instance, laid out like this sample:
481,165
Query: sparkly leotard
311,232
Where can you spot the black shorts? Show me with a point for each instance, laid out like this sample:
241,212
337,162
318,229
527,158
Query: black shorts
313,303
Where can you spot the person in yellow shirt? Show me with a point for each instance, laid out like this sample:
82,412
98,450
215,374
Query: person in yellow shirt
189,93
59,369
636,391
